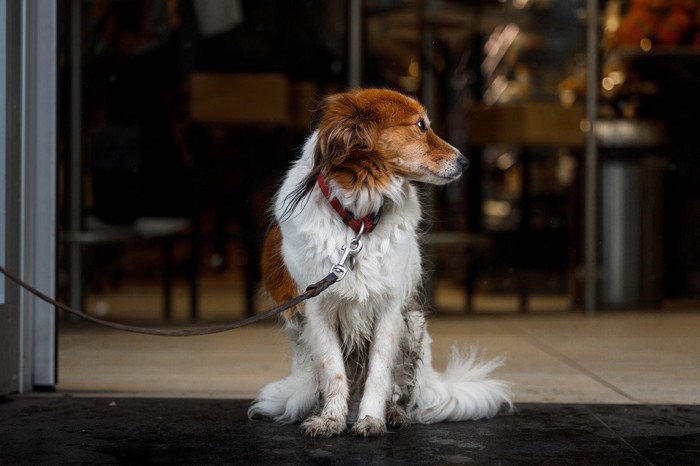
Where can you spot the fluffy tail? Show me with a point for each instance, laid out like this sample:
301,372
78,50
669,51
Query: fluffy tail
463,392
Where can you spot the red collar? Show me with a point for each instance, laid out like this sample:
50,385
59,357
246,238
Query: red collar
369,221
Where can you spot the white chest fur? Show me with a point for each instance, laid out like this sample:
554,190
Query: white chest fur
386,271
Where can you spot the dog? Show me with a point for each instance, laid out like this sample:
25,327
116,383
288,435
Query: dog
363,342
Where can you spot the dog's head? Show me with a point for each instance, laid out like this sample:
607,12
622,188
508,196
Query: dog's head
369,138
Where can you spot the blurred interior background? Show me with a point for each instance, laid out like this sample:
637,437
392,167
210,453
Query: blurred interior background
141,143
178,117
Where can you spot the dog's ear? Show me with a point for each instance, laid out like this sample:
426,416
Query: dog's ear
345,128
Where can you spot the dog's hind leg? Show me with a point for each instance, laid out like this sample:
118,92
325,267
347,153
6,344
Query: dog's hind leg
396,417
292,398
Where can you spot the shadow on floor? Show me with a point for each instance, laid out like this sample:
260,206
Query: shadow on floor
68,430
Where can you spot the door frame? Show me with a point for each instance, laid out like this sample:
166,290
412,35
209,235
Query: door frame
28,153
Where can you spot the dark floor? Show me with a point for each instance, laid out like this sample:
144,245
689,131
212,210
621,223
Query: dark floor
66,430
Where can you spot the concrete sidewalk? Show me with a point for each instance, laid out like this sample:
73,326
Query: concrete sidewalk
610,358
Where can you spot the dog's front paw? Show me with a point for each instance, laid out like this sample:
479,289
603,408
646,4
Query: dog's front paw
369,426
317,426
396,417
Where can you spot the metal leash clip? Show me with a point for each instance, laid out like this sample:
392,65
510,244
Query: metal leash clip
350,250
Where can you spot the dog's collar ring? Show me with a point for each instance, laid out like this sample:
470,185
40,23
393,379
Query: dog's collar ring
350,251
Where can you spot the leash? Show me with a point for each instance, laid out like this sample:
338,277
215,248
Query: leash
336,273
311,292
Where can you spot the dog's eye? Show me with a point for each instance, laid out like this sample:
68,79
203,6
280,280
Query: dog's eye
422,125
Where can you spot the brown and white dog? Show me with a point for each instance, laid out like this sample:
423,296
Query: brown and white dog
365,338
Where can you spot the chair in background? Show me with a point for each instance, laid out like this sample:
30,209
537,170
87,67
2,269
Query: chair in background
123,209
257,112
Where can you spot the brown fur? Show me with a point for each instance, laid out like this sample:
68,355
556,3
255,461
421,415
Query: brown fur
368,136
276,278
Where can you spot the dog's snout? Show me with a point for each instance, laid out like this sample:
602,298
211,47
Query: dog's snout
463,161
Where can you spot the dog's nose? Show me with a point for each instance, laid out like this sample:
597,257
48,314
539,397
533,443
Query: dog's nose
463,161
